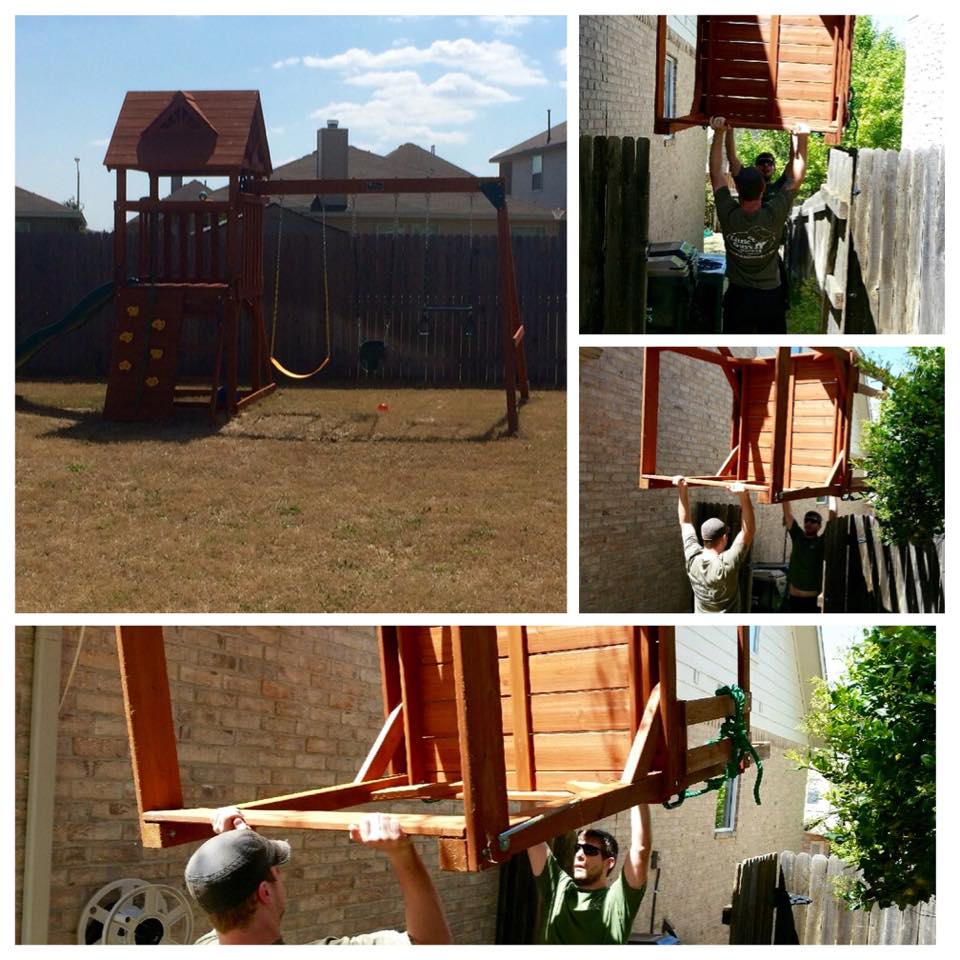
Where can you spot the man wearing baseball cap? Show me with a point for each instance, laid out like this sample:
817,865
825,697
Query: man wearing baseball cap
236,879
714,571
754,301
805,574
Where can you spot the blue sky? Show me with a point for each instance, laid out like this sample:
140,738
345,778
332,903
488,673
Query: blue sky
471,86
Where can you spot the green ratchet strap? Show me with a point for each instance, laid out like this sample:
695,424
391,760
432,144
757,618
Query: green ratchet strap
734,729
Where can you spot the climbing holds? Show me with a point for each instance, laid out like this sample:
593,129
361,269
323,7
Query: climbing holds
133,311
156,353
124,364
158,324
151,381
126,336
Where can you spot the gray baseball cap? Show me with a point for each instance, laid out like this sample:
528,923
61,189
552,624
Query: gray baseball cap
712,529
226,869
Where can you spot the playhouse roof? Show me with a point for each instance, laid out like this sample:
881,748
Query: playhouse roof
204,131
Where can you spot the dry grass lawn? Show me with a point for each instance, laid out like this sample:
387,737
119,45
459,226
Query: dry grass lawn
310,501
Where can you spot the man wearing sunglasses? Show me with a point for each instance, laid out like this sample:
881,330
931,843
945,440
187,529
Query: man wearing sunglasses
765,162
587,908
805,574
755,300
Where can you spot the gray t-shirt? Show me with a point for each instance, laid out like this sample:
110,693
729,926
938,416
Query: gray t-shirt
715,579
752,240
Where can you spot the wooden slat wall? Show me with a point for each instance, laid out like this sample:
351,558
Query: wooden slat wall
579,703
771,70
816,392
758,410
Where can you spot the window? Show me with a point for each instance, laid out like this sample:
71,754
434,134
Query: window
670,86
537,165
726,816
754,639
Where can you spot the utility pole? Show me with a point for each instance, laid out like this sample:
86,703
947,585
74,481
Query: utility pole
76,160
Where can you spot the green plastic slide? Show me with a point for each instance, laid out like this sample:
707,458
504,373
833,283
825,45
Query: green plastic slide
76,318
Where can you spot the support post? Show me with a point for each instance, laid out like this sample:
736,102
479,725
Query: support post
511,323
477,686
153,743
743,670
648,420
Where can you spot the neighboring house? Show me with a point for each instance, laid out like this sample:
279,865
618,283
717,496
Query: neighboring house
617,77
699,844
36,214
536,170
925,96
631,556
416,213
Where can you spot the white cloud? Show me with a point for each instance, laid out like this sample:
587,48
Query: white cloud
100,143
562,57
494,60
506,26
288,62
401,108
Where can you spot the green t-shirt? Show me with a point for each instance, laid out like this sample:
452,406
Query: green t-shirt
806,560
392,938
715,579
575,916
752,240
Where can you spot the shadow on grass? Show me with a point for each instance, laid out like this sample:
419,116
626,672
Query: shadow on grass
90,427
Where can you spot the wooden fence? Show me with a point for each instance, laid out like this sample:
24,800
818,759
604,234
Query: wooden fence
873,236
378,289
614,233
760,912
864,575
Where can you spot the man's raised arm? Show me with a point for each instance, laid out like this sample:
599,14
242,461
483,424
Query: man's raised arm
787,514
717,179
641,843
425,919
748,523
799,138
730,141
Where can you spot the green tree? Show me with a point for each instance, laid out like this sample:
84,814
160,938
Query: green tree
877,727
876,108
903,449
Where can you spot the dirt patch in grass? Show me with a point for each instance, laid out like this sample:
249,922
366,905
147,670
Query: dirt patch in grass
310,501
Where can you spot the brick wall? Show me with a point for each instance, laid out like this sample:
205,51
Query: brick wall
924,93
617,76
258,712
631,556
694,857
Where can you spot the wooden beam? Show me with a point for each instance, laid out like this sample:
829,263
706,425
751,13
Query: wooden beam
649,413
477,686
726,463
150,730
781,379
324,187
325,798
388,741
709,708
412,823
674,731
583,810
520,701
409,662
659,90
743,669
640,760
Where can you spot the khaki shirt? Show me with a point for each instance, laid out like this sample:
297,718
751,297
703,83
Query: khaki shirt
715,579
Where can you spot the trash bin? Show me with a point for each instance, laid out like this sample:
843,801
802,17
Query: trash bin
708,301
671,283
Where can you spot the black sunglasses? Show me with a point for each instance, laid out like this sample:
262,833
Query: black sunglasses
811,520
590,849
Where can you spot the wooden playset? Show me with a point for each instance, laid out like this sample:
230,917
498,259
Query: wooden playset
791,422
765,73
205,257
536,730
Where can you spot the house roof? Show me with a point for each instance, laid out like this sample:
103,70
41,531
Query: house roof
29,204
204,131
558,138
407,160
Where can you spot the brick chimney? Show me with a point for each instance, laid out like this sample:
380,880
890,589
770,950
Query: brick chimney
332,160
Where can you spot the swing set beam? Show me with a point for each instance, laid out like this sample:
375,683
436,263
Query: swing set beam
514,357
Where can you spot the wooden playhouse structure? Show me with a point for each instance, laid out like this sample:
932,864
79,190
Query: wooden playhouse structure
534,730
790,423
203,258
765,73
